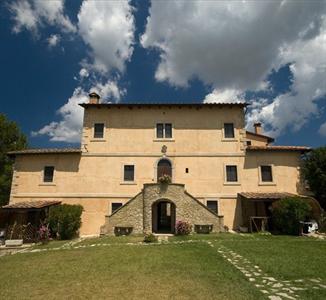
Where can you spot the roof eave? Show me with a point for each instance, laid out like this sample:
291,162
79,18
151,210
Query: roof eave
302,150
40,152
99,105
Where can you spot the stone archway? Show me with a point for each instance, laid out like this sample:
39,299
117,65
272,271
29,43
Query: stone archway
163,216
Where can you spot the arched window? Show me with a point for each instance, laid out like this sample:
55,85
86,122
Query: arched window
164,167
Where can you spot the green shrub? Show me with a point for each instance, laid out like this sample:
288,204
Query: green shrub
183,228
288,213
150,238
65,220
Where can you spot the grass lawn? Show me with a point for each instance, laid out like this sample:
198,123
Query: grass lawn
162,271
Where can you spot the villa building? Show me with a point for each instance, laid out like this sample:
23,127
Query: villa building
221,174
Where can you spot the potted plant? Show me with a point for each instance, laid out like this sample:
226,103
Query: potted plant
165,179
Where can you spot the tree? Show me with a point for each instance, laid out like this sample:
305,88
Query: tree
288,213
11,139
314,171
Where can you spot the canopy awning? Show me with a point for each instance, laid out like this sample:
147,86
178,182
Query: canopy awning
265,196
28,205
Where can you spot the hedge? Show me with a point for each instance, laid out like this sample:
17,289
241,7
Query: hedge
65,220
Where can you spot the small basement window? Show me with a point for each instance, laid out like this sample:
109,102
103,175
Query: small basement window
228,130
48,174
129,173
115,206
98,130
266,173
231,174
212,205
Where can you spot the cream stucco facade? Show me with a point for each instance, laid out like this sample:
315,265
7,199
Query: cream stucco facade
198,152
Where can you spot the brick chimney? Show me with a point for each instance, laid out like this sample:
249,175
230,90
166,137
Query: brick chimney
258,128
94,98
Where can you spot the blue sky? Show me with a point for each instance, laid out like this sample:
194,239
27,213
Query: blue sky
54,52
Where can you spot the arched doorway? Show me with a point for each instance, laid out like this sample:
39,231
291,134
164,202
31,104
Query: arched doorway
163,216
164,167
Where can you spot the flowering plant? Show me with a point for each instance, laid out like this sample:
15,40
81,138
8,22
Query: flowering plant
44,233
183,228
165,179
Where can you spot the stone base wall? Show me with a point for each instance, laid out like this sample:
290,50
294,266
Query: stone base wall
128,215
137,212
188,208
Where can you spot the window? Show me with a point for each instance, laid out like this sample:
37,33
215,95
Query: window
266,173
164,130
212,205
164,167
98,130
115,206
231,174
48,174
129,173
228,130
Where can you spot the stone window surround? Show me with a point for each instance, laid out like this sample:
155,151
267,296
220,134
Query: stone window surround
42,182
225,139
156,164
123,182
225,182
156,139
103,139
262,183
217,203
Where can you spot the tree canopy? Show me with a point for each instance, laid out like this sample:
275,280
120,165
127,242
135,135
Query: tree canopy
11,138
314,171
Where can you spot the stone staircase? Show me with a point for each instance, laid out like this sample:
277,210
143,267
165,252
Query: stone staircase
138,212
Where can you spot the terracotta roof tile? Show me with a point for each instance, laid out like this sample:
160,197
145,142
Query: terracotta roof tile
278,148
31,204
252,195
45,151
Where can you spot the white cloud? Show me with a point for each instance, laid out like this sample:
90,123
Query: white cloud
83,73
234,45
295,108
33,14
224,96
108,28
322,129
23,16
68,129
53,40
109,91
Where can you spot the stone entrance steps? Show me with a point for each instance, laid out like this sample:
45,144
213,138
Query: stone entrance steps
163,237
